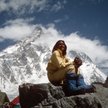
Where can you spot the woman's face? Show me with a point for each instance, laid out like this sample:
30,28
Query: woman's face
61,46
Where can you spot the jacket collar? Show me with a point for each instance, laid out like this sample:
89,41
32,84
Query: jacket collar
60,52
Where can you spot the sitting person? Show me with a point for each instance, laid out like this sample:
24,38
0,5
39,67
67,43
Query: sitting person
74,82
59,64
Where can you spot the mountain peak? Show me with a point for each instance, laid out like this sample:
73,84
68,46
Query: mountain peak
26,61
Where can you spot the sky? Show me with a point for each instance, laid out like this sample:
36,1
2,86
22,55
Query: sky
82,22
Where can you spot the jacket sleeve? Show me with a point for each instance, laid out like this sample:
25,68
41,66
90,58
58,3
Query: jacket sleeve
57,60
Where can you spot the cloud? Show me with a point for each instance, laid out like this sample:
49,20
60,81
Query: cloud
1,38
29,6
20,28
19,21
93,48
21,5
58,6
66,17
16,29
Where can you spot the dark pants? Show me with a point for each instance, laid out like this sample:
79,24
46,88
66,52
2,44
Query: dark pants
76,83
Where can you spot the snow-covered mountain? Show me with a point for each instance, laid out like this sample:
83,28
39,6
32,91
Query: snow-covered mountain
26,62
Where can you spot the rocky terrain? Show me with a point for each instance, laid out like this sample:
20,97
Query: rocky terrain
49,96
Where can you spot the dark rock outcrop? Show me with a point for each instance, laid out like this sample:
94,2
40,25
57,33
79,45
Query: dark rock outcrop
54,97
3,99
106,83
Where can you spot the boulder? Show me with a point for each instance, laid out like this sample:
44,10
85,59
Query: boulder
32,94
106,83
50,96
3,99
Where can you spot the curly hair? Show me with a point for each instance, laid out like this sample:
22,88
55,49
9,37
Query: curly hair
57,45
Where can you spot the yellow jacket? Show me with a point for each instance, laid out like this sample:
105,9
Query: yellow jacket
58,66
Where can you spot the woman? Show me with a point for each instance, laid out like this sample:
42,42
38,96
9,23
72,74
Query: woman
58,64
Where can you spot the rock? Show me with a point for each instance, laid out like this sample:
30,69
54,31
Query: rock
102,95
3,99
31,94
106,83
54,97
